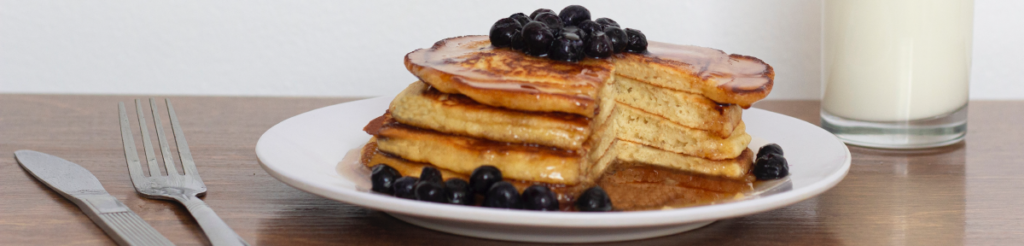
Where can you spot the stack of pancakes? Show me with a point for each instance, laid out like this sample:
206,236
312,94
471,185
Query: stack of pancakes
662,128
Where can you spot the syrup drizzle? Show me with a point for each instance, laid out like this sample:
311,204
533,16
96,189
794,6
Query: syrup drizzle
473,61
743,73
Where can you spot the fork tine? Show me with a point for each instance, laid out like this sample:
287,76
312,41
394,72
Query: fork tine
165,151
154,170
130,154
179,138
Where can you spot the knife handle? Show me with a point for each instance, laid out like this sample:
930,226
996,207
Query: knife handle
119,222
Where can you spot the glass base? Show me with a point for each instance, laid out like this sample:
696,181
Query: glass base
925,133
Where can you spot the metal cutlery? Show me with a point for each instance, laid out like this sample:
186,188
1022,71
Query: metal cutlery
81,187
183,188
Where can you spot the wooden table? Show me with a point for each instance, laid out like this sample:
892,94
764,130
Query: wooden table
968,193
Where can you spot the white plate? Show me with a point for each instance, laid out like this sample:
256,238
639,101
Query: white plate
305,151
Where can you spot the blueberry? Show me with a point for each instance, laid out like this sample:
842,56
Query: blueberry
637,41
771,166
769,149
539,197
566,48
383,178
533,16
483,178
517,42
573,14
457,191
594,200
520,17
431,174
537,38
502,32
430,192
590,27
551,20
605,22
503,195
598,46
405,187
618,38
574,30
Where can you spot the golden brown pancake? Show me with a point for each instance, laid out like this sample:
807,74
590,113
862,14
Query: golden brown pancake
724,78
371,156
424,107
637,186
464,154
683,108
503,77
636,125
625,151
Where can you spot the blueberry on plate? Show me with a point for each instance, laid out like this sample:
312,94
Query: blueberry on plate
430,192
483,178
503,195
771,148
605,22
502,32
539,197
457,191
383,178
540,11
594,200
405,187
771,166
618,38
431,174
574,14
637,41
599,46
566,48
537,38
551,20
520,17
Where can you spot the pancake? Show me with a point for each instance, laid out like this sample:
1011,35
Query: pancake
371,156
424,107
638,186
506,78
636,125
683,108
631,152
464,154
724,78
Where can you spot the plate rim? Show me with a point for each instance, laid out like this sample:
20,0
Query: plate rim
548,219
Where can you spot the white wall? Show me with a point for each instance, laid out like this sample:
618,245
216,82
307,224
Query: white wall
334,48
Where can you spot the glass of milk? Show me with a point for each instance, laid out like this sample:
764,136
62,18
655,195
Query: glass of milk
896,72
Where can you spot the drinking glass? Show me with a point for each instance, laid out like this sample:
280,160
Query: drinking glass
896,72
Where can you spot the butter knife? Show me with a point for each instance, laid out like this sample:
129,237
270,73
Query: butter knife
81,187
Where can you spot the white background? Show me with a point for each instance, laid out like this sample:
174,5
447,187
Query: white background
335,48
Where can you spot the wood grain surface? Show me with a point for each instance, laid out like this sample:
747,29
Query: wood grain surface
968,193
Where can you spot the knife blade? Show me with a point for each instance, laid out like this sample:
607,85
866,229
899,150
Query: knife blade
79,185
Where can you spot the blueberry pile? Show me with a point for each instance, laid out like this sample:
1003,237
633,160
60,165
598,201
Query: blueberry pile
569,35
770,163
486,181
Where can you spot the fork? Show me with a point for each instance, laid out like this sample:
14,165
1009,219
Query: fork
184,188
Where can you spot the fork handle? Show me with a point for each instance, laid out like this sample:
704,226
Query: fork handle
216,230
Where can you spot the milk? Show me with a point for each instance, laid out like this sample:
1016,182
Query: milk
896,60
